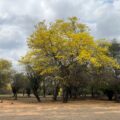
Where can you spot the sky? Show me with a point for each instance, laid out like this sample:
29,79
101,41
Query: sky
18,18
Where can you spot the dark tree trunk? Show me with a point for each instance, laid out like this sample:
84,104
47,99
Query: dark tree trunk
28,91
23,92
34,81
55,93
44,89
92,92
15,96
36,95
109,94
65,94
70,92
14,90
116,96
75,92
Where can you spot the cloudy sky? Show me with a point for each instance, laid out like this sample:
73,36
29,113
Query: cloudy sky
18,17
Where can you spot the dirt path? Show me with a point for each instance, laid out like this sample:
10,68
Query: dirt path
82,110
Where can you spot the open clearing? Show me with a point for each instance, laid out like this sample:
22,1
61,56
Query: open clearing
25,109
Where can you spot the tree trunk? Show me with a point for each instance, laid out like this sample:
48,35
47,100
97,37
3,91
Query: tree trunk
92,92
110,94
36,95
28,91
44,89
116,96
65,94
16,96
70,92
23,92
14,90
75,92
55,93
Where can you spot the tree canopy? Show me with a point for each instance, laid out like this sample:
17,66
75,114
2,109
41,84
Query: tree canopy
64,43
64,48
5,72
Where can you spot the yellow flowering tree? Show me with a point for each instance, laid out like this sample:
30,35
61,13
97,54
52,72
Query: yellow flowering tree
54,48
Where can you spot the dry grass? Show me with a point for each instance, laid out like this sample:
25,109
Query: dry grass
29,109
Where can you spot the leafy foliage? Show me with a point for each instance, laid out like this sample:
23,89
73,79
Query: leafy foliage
5,72
66,50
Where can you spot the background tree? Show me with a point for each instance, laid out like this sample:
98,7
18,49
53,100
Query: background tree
115,52
5,72
20,84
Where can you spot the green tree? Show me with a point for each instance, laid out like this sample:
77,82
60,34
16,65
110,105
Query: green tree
5,72
20,83
115,52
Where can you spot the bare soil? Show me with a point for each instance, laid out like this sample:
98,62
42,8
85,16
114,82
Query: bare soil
29,109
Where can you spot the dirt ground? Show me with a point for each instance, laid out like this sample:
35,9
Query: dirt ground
28,109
